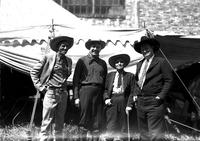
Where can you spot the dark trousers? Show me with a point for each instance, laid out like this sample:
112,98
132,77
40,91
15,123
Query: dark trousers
150,116
116,115
91,104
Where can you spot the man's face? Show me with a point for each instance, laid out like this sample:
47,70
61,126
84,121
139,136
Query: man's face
119,64
147,51
95,49
63,48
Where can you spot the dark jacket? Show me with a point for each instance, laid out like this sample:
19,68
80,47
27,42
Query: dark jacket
158,80
129,83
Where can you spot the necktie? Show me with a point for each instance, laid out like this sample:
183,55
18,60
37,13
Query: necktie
64,64
143,74
119,82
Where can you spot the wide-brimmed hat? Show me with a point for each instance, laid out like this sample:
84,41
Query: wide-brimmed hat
146,40
125,57
55,42
89,43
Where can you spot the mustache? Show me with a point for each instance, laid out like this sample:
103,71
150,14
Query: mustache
96,51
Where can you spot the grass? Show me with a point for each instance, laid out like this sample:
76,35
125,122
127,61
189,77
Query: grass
13,133
20,133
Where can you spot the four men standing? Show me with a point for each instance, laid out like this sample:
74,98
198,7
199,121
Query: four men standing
93,87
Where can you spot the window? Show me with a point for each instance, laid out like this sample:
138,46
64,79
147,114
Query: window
96,8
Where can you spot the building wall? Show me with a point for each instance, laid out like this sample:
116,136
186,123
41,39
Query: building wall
180,16
130,21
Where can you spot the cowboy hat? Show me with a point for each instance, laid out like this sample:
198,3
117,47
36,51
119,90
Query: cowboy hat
124,57
55,42
146,40
89,43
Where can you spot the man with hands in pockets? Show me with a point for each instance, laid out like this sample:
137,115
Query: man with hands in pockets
154,78
49,76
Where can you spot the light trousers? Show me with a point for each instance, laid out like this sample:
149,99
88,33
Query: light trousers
54,107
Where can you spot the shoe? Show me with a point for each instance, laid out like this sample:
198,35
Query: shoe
117,139
83,129
82,132
89,134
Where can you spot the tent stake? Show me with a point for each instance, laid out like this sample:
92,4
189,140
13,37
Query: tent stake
29,133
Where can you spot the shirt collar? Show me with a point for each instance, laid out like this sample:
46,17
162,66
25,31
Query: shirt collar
120,73
150,59
60,57
91,58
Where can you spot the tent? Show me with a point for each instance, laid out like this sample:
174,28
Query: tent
27,25
180,49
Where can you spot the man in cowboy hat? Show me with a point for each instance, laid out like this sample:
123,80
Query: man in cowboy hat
49,76
119,85
154,78
88,81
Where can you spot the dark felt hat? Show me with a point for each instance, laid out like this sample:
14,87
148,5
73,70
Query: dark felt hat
55,42
89,43
146,40
125,57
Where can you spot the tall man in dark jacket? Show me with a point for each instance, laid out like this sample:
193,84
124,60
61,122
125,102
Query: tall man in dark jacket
154,77
119,86
89,81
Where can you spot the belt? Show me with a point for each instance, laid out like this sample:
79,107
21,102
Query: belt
117,94
146,95
57,88
92,84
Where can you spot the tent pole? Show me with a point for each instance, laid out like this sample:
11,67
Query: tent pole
93,7
136,15
61,3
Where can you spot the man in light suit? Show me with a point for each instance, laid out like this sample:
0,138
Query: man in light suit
154,78
119,85
49,76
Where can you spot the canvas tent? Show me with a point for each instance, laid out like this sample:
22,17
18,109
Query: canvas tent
180,49
27,25
25,29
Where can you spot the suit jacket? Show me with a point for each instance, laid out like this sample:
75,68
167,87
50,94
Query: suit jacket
41,72
129,83
158,80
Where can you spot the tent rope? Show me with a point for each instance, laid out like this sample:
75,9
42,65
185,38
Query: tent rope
194,101
174,121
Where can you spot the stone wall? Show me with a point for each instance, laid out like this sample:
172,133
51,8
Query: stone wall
180,16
